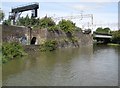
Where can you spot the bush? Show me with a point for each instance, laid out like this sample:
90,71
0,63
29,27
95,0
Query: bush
49,45
53,28
11,50
67,26
46,22
116,36
74,39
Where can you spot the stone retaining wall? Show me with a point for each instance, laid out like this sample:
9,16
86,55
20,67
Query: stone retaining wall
15,33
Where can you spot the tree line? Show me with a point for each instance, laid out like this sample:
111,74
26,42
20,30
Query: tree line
45,22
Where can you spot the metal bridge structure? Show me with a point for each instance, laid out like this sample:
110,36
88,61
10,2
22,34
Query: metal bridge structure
102,37
16,12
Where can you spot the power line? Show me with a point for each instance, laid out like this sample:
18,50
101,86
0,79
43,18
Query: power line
80,17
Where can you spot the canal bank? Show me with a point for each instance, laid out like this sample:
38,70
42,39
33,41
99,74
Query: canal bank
33,39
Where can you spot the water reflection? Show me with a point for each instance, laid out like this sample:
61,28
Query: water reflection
86,66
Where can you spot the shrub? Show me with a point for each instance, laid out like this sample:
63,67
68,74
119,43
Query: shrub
11,50
53,28
46,22
67,26
49,45
74,39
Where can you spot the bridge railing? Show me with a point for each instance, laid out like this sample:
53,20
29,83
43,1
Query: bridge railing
98,33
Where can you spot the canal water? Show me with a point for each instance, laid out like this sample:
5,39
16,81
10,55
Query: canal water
86,66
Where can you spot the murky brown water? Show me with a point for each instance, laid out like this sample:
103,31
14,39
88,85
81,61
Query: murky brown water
85,66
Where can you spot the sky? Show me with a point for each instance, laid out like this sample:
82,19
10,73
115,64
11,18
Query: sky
105,12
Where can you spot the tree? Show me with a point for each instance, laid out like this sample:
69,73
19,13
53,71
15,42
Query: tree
7,22
103,30
116,36
46,22
107,30
21,21
67,26
34,21
27,20
2,15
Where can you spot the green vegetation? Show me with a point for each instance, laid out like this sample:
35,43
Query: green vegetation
112,44
0,54
7,22
103,30
78,29
67,26
74,39
2,15
24,21
11,51
116,36
27,21
49,45
46,22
